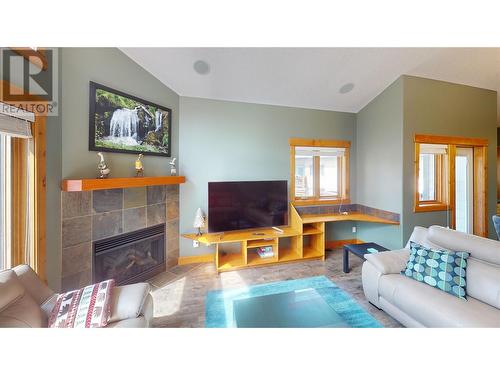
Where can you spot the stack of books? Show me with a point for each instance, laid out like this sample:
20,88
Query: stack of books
265,252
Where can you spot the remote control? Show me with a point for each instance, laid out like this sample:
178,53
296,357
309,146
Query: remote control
278,229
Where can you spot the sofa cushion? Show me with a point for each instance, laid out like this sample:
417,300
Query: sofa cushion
421,235
478,247
88,307
433,308
128,301
441,269
17,307
483,281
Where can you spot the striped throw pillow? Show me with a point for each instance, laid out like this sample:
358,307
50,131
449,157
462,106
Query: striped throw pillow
89,307
442,269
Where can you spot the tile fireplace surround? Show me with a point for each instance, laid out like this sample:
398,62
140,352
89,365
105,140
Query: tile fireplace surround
93,215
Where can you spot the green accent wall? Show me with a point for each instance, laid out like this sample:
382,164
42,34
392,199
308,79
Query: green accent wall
443,108
229,141
67,134
379,166
109,67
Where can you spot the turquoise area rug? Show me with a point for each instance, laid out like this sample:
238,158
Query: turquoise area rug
219,303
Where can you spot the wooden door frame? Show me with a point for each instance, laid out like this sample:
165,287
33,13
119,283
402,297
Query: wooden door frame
38,130
480,171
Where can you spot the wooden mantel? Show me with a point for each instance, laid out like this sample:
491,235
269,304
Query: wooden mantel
117,183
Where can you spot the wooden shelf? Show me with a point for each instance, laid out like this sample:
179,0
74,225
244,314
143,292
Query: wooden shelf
242,235
231,261
351,216
288,255
254,259
117,183
310,230
297,249
311,252
306,236
260,243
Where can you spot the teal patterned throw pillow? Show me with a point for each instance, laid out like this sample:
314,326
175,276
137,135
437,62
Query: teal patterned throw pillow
441,269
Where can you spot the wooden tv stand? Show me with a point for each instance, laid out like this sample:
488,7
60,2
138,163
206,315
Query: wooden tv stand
238,249
303,239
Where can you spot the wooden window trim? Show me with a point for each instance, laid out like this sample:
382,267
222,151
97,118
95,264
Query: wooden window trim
447,140
38,260
480,181
442,199
344,165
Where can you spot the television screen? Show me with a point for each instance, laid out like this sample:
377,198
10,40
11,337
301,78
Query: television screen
247,204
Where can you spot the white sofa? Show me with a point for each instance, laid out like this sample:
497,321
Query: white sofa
415,304
25,301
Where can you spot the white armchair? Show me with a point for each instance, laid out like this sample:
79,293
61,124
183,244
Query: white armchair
25,301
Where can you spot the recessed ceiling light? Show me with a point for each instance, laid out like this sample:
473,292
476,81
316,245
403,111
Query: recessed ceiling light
201,67
346,88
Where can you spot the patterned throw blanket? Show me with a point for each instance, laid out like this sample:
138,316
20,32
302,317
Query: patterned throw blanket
89,307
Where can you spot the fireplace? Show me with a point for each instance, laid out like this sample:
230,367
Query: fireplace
130,257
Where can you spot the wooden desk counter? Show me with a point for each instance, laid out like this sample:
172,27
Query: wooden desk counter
351,216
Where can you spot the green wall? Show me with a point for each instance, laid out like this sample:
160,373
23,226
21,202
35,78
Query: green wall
53,192
67,134
379,167
443,108
112,68
224,141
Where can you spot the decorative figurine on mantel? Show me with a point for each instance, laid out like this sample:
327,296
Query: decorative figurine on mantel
173,170
139,169
103,168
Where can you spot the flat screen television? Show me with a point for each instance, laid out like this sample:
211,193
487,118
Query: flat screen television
247,204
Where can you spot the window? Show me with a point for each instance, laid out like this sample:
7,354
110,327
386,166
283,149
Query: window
22,183
432,177
319,171
17,193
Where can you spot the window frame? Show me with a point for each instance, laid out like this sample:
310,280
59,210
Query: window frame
441,185
343,172
37,260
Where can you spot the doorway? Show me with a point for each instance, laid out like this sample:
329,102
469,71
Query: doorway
464,189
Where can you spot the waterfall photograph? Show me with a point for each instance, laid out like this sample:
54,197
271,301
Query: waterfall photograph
119,122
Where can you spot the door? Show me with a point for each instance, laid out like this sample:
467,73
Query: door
464,191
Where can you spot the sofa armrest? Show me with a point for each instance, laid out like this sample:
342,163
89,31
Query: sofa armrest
387,262
32,283
128,301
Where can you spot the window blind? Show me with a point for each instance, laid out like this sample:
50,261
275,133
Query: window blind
319,151
15,122
436,149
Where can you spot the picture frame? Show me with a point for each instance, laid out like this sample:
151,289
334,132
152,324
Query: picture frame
123,123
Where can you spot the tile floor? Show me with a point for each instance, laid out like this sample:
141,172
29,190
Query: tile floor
179,293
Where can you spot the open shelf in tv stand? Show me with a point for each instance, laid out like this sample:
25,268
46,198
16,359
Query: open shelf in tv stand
296,234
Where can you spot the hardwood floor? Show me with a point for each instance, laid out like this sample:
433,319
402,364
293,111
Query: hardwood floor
179,293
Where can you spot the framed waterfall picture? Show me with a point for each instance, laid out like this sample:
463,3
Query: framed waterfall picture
119,122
